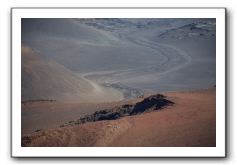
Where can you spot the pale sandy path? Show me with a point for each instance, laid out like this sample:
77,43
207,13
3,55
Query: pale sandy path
174,59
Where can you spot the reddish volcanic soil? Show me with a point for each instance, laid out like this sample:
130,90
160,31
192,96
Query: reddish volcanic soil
190,122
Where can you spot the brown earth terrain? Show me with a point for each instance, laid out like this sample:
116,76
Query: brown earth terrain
189,122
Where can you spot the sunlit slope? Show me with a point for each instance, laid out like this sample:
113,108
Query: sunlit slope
45,79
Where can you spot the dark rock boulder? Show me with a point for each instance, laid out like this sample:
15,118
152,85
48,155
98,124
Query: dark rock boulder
151,103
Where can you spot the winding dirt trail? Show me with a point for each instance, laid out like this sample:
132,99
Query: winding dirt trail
175,59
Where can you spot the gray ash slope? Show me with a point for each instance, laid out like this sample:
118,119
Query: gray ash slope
44,79
137,54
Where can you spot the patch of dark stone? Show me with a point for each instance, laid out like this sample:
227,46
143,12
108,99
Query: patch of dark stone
42,100
25,140
151,103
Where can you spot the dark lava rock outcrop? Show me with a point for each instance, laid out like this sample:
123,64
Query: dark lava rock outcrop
151,103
